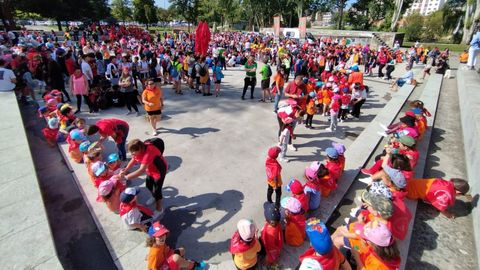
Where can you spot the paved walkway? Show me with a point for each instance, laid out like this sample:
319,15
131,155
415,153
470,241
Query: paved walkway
216,148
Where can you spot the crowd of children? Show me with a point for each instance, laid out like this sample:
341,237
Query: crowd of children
369,238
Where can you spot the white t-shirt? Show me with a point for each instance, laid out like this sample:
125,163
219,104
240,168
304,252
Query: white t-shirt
6,77
87,70
134,216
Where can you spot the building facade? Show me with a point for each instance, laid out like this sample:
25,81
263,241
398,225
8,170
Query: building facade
425,7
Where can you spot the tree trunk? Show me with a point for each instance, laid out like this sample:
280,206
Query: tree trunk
468,22
6,11
299,10
340,15
290,20
59,24
396,14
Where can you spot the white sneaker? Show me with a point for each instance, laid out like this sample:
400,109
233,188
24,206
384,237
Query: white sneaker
347,220
282,159
383,126
354,211
329,129
383,134
128,113
292,147
154,133
150,201
366,180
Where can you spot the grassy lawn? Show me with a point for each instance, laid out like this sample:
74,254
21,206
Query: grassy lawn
441,46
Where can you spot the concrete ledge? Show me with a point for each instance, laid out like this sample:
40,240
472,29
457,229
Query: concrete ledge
430,97
362,148
25,236
468,82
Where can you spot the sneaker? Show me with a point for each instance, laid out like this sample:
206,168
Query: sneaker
282,159
292,147
261,100
383,134
154,133
383,126
150,201
128,113
366,180
200,265
347,220
329,129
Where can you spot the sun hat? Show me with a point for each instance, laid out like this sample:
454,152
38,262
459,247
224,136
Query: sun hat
312,94
379,203
310,264
379,188
407,141
53,123
311,171
339,147
157,230
274,151
295,186
291,204
247,229
76,134
128,194
331,152
84,146
319,236
98,168
407,132
112,158
396,176
272,213
380,235
105,188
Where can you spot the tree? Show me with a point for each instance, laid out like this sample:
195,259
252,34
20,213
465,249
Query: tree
121,10
165,15
471,21
413,27
434,26
7,8
187,9
97,10
144,11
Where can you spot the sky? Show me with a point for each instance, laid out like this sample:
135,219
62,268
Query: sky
162,3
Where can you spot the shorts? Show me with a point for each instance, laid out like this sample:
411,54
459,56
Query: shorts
265,84
218,81
155,185
157,112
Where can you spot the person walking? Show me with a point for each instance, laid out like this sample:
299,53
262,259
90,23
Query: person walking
250,78
152,97
126,87
473,51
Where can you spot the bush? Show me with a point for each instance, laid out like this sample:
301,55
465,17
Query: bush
413,27
434,26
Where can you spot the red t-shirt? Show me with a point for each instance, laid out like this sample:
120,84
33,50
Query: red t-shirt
441,194
109,127
147,158
294,89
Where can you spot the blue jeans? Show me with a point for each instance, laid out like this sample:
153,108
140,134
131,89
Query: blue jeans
122,151
278,96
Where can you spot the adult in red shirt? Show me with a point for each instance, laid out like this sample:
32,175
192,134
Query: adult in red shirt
295,90
115,128
153,164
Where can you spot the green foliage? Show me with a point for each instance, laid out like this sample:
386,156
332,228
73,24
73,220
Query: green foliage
413,27
166,15
186,9
144,11
434,26
121,10
364,13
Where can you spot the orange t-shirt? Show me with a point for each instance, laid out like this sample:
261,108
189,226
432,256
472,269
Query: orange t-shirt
247,259
463,57
279,80
153,96
157,256
355,77
418,188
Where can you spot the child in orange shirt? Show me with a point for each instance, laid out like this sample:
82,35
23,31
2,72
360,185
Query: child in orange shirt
311,109
244,245
109,192
161,256
326,97
294,222
272,235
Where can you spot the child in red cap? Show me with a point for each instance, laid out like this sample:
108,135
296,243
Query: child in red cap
274,175
298,193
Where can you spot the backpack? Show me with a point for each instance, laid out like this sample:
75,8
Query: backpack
173,69
269,71
157,142
203,71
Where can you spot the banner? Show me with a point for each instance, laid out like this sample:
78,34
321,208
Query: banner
302,27
276,25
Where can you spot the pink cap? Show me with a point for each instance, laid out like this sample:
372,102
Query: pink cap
291,204
311,171
246,229
380,235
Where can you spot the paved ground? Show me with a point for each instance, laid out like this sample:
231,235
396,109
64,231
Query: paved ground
216,149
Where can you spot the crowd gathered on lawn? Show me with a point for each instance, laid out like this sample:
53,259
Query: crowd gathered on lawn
103,66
